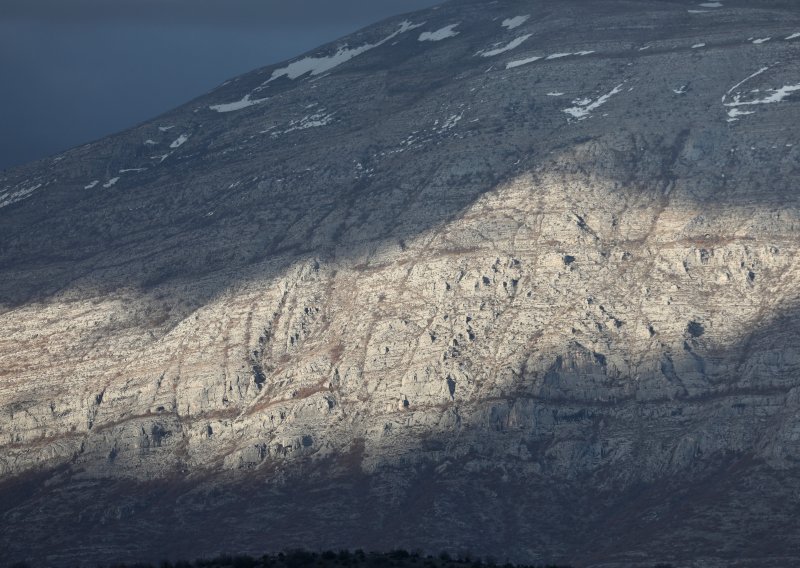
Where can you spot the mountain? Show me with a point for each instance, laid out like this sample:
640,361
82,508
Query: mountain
517,278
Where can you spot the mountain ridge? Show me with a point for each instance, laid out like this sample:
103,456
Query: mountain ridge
426,298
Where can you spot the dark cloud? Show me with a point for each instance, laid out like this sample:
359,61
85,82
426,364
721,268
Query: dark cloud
76,70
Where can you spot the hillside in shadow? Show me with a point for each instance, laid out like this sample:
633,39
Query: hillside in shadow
535,477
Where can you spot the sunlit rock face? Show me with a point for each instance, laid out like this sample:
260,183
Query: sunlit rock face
517,278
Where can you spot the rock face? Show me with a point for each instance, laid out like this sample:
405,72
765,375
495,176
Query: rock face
517,277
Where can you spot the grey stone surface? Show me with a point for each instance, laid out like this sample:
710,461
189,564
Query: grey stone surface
425,298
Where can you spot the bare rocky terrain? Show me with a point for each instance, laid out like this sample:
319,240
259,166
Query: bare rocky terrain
518,278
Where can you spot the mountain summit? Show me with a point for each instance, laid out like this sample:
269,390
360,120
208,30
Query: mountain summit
517,278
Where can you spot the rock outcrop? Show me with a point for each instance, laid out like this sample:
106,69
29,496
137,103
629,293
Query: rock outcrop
516,277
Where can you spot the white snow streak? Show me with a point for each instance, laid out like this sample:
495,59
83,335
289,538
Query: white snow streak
711,4
515,22
316,120
319,65
9,198
92,185
586,106
110,182
698,45
439,35
237,105
734,113
793,36
560,55
179,141
451,122
777,96
762,40
508,47
519,62
743,81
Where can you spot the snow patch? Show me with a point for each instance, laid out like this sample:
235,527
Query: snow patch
405,26
584,107
441,128
179,141
778,95
508,47
680,90
698,45
237,105
761,40
711,5
318,65
793,36
150,142
439,35
450,123
775,96
560,55
92,185
555,94
315,120
515,22
734,113
743,81
520,62
135,170
165,128
13,197
111,182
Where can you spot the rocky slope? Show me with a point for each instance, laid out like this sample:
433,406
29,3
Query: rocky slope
515,277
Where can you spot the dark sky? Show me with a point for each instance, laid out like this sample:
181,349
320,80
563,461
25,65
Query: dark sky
72,71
